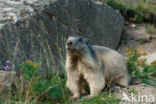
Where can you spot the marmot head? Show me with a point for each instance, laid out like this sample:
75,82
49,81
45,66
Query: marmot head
76,44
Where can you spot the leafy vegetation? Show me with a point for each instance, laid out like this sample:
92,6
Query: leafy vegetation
134,11
138,67
107,98
151,29
36,87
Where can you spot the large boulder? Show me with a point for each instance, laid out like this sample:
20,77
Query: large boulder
42,37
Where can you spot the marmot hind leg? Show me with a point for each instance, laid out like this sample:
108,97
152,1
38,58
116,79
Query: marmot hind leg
96,85
123,82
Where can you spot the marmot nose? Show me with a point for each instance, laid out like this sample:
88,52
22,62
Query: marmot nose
69,42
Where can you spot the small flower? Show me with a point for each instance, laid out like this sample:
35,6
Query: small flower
129,53
141,63
138,53
8,62
7,68
40,74
29,61
144,53
141,51
33,64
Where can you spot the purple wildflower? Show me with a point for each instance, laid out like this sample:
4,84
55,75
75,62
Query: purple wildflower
8,62
40,74
7,68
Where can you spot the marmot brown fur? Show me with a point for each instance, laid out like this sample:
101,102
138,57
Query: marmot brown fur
97,65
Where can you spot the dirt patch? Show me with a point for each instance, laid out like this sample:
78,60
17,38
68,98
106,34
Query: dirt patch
136,36
137,94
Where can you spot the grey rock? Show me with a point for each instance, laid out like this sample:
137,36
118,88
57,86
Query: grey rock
115,88
42,35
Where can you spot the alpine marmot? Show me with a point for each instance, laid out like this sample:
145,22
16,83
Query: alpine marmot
97,65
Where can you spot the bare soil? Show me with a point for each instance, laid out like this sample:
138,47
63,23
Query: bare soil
135,36
138,94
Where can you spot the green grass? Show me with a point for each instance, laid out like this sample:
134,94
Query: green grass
151,29
141,41
107,98
135,12
34,88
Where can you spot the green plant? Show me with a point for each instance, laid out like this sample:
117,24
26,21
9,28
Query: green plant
138,67
133,90
141,41
34,86
150,29
107,98
133,11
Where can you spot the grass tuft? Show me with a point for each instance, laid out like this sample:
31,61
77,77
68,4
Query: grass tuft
151,29
134,11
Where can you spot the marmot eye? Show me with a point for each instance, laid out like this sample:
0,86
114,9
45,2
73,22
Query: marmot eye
81,39
86,42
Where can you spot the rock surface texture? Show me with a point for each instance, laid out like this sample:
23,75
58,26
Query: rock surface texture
37,29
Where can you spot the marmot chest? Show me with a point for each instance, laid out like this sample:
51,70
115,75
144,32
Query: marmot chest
82,67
